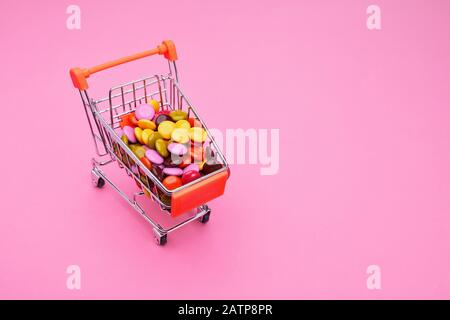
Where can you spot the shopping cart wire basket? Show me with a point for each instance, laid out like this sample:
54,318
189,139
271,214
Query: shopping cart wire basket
104,117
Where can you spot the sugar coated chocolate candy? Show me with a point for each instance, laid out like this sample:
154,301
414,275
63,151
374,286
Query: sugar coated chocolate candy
135,170
145,135
161,117
180,135
197,134
173,171
195,122
161,148
154,103
146,162
157,172
146,124
138,134
177,148
184,124
165,129
128,120
178,115
209,168
190,176
152,139
124,139
144,111
129,132
154,156
139,151
172,182
192,167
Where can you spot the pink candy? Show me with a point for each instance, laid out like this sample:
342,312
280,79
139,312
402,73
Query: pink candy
154,156
144,111
129,132
192,167
177,148
173,171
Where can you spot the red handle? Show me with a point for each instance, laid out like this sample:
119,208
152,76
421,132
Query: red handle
79,76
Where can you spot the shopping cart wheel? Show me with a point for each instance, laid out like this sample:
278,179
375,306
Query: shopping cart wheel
161,239
100,183
205,218
97,181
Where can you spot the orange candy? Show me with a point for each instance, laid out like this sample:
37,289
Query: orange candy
146,163
128,120
172,182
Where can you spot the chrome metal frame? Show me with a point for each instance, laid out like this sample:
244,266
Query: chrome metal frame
104,118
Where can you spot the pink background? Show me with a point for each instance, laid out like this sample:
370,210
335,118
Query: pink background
364,175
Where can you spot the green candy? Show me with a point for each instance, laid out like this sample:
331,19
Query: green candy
161,147
165,199
178,115
124,139
139,151
153,138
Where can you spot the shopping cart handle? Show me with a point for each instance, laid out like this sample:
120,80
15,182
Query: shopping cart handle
79,75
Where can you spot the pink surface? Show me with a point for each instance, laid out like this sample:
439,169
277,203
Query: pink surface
368,181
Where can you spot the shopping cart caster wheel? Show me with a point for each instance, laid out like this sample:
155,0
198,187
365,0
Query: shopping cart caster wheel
205,218
97,181
161,239
100,183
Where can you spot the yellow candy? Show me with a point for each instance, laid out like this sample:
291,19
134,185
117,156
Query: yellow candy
146,134
177,115
146,193
152,139
154,104
180,135
201,164
146,124
165,128
197,134
183,124
138,134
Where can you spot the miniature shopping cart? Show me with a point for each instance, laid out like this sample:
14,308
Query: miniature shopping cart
187,202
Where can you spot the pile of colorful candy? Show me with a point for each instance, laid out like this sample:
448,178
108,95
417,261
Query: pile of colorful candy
169,144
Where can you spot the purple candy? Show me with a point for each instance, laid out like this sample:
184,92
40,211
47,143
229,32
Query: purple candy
134,169
144,111
173,171
154,156
129,132
120,132
177,148
191,167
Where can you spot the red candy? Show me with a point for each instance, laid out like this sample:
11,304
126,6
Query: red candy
194,123
190,176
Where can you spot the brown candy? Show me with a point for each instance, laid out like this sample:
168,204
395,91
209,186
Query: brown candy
158,173
208,168
162,117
